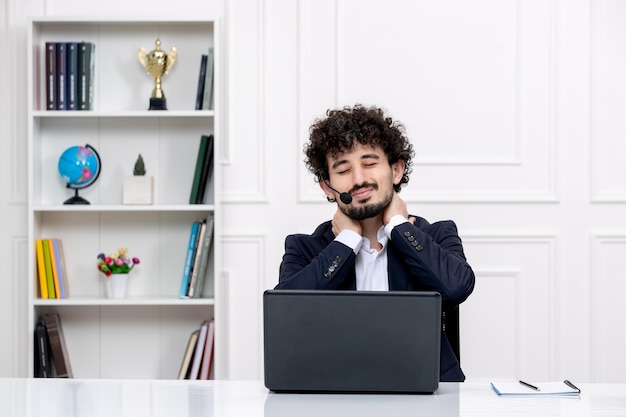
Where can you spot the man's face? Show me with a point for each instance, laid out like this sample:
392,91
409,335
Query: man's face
365,173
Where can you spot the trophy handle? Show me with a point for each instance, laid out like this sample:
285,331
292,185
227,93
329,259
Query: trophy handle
171,58
142,57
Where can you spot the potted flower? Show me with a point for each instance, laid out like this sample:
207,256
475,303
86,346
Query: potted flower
116,268
138,188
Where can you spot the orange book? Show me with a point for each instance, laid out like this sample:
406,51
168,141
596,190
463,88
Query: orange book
41,269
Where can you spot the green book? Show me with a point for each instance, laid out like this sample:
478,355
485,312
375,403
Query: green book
195,186
49,274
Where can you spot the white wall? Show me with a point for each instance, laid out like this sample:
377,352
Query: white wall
515,109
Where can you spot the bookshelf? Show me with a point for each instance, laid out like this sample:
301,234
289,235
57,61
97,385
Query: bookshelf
145,334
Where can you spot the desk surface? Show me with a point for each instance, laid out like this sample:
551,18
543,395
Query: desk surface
138,398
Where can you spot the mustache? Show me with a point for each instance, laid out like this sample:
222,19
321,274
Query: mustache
364,185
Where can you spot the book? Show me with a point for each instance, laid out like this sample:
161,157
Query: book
71,91
191,246
58,346
41,269
48,266
207,99
55,271
520,388
86,63
196,259
207,169
198,287
202,147
61,61
59,263
191,345
43,368
201,78
64,281
51,75
207,355
199,350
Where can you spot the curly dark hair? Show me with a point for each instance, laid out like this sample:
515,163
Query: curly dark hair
342,128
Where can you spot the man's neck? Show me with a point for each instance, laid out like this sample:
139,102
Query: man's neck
370,228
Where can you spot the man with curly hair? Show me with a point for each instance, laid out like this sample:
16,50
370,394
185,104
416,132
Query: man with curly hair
361,158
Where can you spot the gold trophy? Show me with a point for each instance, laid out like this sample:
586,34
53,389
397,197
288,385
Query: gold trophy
157,63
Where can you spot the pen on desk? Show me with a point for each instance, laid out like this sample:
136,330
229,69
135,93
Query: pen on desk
572,386
526,384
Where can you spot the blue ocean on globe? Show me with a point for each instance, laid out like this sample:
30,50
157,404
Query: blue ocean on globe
79,166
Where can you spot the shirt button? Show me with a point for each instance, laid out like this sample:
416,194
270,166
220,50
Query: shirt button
419,247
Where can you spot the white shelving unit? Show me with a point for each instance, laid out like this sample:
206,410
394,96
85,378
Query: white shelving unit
145,334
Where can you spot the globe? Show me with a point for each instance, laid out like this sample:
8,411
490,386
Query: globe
79,167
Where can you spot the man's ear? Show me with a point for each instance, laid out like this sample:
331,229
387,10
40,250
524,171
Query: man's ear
329,193
397,168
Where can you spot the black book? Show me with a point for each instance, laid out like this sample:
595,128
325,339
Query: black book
51,76
86,60
71,78
61,62
43,367
202,76
207,169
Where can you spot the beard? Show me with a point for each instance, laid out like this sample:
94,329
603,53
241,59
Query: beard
367,211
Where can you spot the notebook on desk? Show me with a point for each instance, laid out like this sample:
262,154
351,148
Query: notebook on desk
351,341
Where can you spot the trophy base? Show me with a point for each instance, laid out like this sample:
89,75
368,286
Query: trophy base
157,104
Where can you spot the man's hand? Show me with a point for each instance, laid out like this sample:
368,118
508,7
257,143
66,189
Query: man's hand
397,206
342,222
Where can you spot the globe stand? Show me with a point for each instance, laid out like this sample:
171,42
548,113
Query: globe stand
76,199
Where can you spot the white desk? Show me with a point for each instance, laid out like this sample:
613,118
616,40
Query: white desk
160,398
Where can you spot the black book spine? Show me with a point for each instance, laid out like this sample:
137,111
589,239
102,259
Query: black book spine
51,76
207,169
43,368
61,62
71,94
202,76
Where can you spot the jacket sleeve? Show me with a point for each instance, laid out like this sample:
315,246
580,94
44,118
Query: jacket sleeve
435,258
308,264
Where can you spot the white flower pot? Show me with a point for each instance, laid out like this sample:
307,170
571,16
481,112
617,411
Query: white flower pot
115,285
138,189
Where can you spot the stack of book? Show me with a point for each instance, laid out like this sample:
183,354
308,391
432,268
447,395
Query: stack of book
69,75
204,94
51,268
197,258
198,359
51,355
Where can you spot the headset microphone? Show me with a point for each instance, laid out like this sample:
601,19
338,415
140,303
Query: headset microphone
345,198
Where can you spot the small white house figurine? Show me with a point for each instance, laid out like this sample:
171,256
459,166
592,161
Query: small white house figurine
138,188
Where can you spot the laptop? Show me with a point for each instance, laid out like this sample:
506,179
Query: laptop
351,341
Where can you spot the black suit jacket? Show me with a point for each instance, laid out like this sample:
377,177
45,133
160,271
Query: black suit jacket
421,256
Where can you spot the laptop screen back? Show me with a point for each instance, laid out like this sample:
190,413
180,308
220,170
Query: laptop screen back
351,341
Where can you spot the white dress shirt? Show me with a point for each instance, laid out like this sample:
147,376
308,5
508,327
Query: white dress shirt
371,264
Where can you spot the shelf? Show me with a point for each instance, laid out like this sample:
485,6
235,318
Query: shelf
123,114
174,208
129,301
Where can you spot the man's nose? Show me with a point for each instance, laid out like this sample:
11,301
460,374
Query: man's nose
357,176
